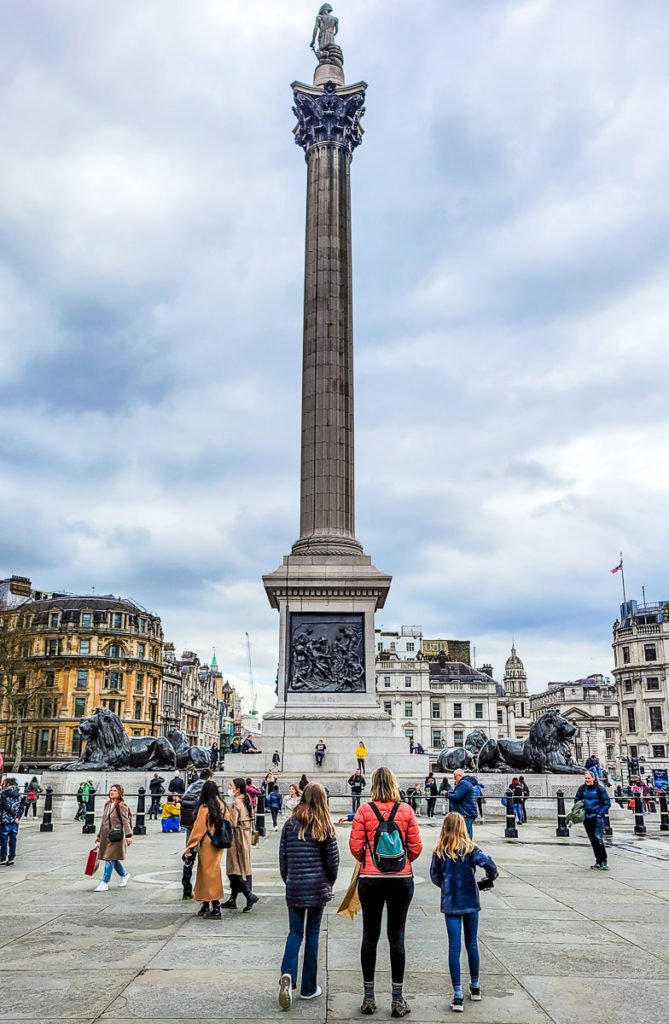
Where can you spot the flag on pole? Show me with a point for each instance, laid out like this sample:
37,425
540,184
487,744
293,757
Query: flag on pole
618,567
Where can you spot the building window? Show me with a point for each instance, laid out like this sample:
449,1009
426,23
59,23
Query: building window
658,749
386,681
82,679
608,733
634,750
140,652
655,719
500,717
408,733
388,707
44,741
76,742
113,680
653,683
138,710
649,652
54,619
50,678
408,708
55,647
140,682
79,707
407,680
458,737
626,655
436,738
113,705
84,647
392,647
379,646
142,625
607,711
118,620
609,751
631,720
85,618
457,711
628,686
522,709
154,687
478,711
436,711
410,647
115,651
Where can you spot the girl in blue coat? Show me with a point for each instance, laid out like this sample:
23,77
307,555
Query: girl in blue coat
453,869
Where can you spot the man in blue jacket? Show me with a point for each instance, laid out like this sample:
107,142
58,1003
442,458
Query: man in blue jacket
463,799
597,802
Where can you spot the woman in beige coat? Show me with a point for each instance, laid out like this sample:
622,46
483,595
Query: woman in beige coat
208,881
238,861
115,819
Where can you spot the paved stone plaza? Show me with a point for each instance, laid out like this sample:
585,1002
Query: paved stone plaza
559,942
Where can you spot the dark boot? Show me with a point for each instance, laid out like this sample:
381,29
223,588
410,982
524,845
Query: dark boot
204,910
251,900
215,909
230,904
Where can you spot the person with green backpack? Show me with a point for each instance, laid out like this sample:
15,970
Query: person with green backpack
385,840
596,802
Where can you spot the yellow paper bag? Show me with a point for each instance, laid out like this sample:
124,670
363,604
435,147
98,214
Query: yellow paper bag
350,905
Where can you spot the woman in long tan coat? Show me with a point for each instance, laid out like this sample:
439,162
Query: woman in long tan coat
115,819
208,881
238,861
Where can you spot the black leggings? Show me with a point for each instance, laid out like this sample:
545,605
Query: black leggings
239,884
594,827
396,894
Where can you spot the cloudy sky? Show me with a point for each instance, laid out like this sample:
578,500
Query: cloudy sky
511,265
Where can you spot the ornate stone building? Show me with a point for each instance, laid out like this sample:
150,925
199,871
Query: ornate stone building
641,660
192,697
88,651
513,708
591,705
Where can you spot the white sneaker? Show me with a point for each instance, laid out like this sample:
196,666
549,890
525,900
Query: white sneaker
314,995
125,879
102,887
285,992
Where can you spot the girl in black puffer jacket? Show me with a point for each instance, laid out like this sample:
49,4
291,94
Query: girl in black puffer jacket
308,861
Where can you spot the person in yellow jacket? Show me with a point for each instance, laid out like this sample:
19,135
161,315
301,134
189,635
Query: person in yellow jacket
361,754
170,815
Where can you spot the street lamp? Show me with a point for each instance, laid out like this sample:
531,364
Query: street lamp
587,737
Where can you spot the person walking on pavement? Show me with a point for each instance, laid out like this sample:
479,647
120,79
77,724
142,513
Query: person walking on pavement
431,792
478,792
379,887
214,756
526,793
177,785
12,806
188,809
252,793
308,862
453,870
596,802
293,798
463,800
357,784
517,792
114,837
31,793
81,806
444,790
320,750
238,860
303,783
275,803
211,812
361,754
156,789
276,761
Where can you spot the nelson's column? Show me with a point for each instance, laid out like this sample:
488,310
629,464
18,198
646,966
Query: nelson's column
327,590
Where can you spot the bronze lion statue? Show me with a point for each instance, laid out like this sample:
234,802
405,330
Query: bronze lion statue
465,757
546,749
108,746
200,757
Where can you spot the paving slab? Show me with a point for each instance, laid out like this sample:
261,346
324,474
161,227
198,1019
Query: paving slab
613,1000
250,954
53,995
583,961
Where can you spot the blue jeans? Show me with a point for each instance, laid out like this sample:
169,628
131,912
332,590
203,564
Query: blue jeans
518,810
469,825
8,834
111,865
296,916
470,924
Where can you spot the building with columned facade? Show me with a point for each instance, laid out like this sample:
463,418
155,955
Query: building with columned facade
591,705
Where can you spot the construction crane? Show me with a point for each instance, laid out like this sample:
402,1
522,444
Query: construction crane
254,696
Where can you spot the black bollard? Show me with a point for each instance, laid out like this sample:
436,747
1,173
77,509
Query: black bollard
664,812
608,831
89,824
46,825
510,832
140,827
260,815
562,828
639,824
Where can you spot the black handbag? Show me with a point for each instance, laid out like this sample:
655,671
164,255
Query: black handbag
221,838
116,835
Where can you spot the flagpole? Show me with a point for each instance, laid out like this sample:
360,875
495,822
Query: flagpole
622,574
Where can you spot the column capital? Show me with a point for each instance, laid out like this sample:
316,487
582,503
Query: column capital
330,114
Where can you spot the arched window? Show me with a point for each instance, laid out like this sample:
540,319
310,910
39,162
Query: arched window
115,651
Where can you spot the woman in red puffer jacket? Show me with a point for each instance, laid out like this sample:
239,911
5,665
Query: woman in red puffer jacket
377,889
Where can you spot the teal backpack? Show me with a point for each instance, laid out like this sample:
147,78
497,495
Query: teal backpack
388,852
